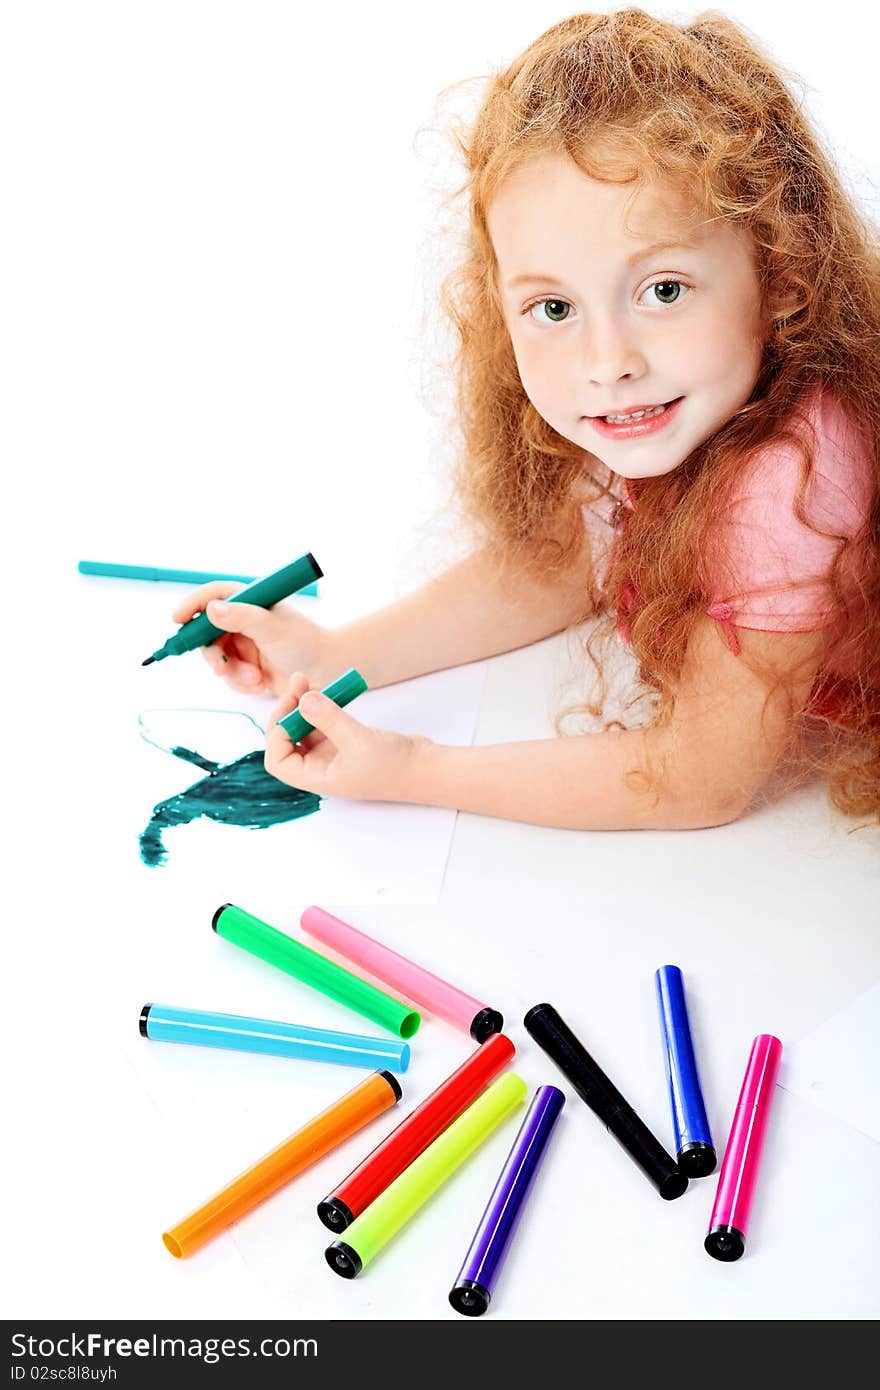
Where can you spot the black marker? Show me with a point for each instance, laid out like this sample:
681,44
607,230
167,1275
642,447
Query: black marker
552,1034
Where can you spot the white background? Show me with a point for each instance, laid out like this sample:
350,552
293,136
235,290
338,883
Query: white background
221,233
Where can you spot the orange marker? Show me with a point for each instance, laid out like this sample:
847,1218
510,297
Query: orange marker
354,1110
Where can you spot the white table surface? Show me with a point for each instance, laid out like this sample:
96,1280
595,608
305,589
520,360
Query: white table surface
773,921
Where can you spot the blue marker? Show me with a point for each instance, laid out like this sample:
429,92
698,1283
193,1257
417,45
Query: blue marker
696,1153
166,1024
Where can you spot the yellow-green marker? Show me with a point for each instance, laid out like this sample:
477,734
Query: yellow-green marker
391,1210
278,949
341,691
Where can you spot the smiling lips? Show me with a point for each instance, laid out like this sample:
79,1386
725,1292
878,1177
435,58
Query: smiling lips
643,419
635,415
628,410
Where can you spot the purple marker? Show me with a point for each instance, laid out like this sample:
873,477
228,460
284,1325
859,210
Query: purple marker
472,1290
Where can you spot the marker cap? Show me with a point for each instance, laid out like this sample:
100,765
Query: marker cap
485,1023
725,1243
343,1260
697,1160
335,1214
469,1298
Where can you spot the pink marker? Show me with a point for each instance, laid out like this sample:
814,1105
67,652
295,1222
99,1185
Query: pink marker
412,980
726,1239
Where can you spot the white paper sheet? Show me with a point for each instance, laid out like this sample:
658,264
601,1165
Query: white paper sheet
837,1067
346,852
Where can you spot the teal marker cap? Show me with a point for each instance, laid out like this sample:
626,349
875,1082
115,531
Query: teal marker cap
200,632
341,691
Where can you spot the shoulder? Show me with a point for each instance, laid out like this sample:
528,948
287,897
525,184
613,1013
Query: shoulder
771,557
838,491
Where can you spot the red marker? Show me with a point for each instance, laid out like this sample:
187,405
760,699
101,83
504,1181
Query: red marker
420,1128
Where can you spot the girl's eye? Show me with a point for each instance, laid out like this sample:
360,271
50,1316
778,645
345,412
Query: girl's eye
557,310
668,291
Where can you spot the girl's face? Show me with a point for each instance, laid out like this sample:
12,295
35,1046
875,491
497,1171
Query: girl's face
602,321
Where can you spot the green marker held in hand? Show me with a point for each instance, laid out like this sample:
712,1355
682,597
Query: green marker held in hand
264,593
341,691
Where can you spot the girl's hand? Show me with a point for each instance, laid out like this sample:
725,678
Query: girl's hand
260,647
342,757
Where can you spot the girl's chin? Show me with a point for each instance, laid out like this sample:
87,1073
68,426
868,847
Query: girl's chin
641,468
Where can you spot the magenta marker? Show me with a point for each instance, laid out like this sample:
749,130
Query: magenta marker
411,980
726,1239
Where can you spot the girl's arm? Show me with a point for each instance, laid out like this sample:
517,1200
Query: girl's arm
471,611
728,732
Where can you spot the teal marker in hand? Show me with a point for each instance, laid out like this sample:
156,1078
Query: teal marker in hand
200,632
340,691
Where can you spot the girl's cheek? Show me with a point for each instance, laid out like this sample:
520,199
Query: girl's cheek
704,351
543,364
535,374
551,392
719,354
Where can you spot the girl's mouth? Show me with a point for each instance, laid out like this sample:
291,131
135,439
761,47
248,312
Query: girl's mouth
656,418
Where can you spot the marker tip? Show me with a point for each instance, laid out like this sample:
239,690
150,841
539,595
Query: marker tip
149,661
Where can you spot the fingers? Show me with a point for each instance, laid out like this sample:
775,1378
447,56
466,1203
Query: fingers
279,747
196,599
260,624
327,717
237,660
331,726
242,675
296,687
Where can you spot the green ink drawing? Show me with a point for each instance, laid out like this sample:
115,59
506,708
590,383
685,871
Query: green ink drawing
239,792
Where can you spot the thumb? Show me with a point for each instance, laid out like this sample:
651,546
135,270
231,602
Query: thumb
247,618
326,716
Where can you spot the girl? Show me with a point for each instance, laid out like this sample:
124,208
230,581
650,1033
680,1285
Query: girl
668,387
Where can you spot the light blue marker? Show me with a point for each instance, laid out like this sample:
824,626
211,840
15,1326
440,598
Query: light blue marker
163,1023
157,575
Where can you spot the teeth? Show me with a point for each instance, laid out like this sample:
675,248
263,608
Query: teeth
637,415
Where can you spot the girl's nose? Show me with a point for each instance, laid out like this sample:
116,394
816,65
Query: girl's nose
610,353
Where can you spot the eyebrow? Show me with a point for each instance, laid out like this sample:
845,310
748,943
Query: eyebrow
641,255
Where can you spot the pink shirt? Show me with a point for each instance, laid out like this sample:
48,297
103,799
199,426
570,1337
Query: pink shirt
765,569
765,566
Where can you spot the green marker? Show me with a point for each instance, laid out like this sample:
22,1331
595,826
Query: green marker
383,1218
199,632
274,947
341,691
